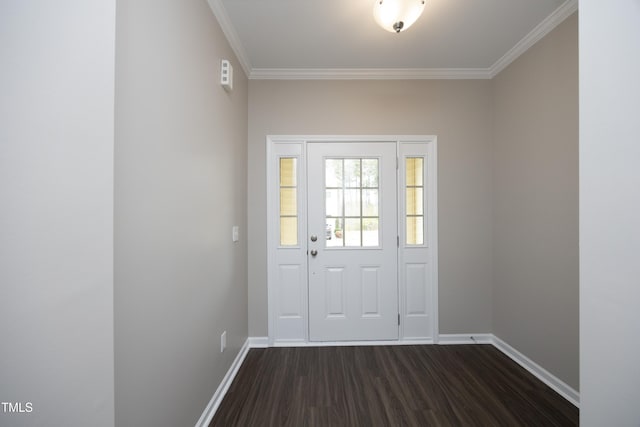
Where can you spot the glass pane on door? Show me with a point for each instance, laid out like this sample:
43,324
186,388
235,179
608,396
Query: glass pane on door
352,202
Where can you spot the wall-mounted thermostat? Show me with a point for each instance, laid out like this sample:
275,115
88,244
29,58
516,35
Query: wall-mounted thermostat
226,75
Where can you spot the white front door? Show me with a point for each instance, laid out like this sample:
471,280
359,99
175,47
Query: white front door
352,246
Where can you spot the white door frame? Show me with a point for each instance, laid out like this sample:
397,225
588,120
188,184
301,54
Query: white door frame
287,278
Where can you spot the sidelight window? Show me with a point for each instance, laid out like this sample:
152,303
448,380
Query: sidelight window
414,196
288,202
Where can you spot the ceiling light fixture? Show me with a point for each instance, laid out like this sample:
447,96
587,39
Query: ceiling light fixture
397,15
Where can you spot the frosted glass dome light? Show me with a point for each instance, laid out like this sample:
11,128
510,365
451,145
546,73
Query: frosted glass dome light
397,15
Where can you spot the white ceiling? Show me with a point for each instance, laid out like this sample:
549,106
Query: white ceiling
452,38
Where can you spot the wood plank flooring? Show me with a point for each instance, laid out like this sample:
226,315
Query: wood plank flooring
461,385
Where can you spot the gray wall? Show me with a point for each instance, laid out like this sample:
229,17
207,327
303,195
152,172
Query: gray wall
181,180
180,185
457,111
56,214
535,189
609,213
508,188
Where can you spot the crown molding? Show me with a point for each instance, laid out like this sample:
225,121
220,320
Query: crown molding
545,27
230,32
368,73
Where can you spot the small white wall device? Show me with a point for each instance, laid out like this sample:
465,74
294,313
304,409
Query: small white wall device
226,75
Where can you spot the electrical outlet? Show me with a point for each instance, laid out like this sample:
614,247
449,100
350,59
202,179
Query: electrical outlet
223,341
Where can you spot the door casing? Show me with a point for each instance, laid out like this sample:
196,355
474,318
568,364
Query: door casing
287,278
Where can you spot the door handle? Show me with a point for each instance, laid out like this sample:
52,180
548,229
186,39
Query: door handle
314,252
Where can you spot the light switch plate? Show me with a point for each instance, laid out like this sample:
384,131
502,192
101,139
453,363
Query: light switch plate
235,233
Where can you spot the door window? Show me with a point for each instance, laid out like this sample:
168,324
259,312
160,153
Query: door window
352,201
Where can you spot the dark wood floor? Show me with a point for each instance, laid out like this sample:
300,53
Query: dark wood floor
461,385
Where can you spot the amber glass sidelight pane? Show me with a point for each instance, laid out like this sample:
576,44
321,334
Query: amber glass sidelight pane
288,231
414,172
288,166
415,230
414,200
288,201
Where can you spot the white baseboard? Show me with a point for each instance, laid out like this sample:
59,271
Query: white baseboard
483,338
539,372
559,386
444,339
415,341
212,407
298,343
258,342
